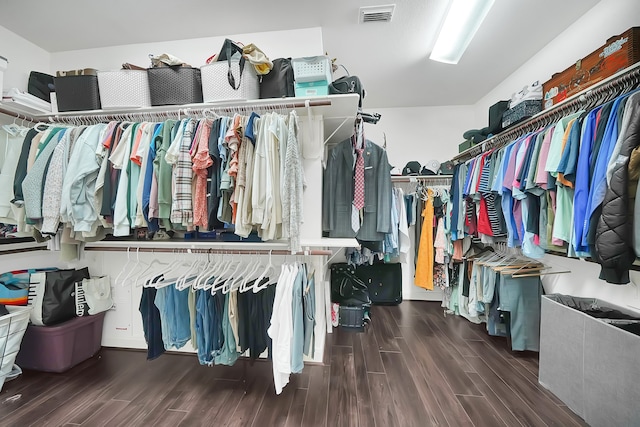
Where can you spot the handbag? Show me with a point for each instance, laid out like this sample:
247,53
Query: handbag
384,282
97,294
279,83
53,298
346,288
347,84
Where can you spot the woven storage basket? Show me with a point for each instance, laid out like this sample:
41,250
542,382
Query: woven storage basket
216,87
124,89
77,93
175,85
312,69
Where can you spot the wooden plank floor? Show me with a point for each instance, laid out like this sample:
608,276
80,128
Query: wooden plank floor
411,367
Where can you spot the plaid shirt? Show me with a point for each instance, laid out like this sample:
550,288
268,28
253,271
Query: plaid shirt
182,205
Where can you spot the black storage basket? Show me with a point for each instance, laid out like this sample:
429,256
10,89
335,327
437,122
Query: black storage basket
351,317
175,85
77,93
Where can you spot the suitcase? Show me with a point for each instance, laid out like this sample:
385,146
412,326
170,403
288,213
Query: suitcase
384,282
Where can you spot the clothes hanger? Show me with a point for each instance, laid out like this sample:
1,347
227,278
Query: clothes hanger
210,272
252,274
218,283
237,277
269,268
152,279
189,275
125,267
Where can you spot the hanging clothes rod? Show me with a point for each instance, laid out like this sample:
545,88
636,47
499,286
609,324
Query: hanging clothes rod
597,94
427,179
17,115
315,252
23,249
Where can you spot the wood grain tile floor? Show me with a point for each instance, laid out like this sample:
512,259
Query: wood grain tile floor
411,367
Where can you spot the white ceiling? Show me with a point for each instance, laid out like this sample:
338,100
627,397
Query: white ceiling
391,59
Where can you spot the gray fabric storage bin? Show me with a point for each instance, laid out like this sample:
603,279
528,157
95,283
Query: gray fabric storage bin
590,363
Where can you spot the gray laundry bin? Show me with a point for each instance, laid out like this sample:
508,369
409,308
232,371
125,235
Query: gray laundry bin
589,358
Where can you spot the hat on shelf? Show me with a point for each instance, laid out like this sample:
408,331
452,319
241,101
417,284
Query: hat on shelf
432,167
411,168
446,168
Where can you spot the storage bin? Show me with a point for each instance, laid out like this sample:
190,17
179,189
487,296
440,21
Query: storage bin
12,328
590,363
175,85
59,348
215,81
124,89
77,93
317,88
3,66
351,317
312,69
521,111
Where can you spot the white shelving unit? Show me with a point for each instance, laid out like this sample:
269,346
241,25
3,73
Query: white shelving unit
323,120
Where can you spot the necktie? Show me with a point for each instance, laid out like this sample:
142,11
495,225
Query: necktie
358,189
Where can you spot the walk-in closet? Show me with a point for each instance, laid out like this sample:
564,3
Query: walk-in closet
342,213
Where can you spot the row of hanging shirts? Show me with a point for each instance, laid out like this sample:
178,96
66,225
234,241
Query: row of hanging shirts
548,189
240,173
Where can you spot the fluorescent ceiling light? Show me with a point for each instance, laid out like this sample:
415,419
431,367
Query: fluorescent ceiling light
463,19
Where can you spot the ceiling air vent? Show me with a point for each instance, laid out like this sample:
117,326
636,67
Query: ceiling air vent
377,13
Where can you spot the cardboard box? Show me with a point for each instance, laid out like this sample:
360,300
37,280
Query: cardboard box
465,145
618,53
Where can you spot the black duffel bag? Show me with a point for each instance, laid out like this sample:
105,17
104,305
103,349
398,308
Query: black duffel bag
347,288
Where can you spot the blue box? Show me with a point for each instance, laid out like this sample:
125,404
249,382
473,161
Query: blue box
316,88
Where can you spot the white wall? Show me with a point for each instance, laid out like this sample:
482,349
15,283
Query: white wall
604,20
23,57
275,44
421,133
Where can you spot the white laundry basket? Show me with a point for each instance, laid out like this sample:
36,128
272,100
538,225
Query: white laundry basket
12,327
215,81
124,89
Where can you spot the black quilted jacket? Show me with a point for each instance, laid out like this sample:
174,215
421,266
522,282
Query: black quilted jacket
614,248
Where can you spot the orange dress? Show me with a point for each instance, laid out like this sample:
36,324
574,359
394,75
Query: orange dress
424,265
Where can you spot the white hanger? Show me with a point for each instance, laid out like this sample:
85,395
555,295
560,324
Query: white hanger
267,269
125,267
212,273
187,278
219,283
167,268
252,275
137,269
240,276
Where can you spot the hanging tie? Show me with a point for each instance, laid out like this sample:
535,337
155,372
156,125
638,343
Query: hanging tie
358,189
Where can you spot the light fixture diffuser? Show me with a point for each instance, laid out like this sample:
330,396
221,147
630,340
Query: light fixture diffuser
463,19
